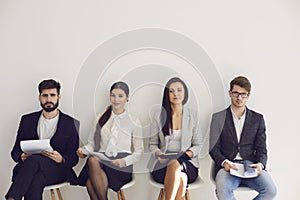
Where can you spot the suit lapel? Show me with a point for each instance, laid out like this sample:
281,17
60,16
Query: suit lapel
247,123
58,128
36,121
231,126
184,128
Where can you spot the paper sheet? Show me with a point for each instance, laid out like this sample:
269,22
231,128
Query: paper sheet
241,171
101,156
36,146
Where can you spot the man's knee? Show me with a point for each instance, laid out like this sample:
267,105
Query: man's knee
271,190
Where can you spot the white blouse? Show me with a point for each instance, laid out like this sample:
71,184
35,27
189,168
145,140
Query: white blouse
130,134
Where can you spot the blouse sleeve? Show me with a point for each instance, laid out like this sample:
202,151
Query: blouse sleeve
137,143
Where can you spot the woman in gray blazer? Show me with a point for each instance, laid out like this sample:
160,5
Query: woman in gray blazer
175,141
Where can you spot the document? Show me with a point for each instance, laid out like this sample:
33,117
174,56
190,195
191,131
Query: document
244,171
101,156
36,146
169,155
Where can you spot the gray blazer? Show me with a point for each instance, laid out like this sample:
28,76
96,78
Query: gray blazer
192,138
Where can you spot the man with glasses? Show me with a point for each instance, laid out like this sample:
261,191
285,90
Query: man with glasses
238,135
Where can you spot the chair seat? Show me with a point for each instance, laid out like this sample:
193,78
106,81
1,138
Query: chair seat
196,184
120,193
56,187
128,185
59,185
243,188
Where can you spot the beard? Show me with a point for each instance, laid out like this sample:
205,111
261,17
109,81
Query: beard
51,108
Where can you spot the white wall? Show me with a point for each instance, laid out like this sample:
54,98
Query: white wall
259,39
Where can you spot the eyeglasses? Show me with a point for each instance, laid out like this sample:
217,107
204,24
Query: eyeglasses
237,94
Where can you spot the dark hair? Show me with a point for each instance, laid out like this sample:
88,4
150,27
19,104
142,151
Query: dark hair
106,115
166,111
49,84
242,82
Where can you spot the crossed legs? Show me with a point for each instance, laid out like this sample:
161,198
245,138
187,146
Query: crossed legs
175,181
97,183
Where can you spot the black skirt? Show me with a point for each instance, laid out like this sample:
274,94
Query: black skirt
159,171
117,177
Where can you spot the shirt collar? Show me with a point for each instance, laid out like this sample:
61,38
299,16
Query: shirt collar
234,116
122,115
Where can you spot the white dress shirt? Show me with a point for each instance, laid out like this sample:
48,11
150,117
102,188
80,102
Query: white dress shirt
239,125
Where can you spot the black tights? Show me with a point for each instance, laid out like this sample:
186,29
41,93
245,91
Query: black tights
97,184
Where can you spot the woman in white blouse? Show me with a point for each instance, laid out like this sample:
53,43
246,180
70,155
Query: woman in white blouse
117,133
175,129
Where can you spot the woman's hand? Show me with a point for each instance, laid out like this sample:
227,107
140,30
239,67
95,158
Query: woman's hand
79,152
190,153
161,160
54,155
119,163
24,156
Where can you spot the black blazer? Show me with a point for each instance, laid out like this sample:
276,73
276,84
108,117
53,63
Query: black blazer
224,143
65,140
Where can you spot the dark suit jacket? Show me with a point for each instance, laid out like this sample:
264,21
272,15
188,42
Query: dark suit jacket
224,143
65,140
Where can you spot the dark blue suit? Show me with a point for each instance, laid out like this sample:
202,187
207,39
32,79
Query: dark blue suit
37,171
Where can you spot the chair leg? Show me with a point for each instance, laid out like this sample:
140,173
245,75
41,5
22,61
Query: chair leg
52,194
119,195
122,195
161,195
59,194
187,195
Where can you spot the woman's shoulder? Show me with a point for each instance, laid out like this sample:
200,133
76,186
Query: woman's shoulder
133,118
190,111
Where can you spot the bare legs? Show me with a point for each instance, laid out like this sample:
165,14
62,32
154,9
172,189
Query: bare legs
175,181
97,184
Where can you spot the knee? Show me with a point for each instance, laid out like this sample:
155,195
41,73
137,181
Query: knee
271,191
93,161
32,161
223,183
174,166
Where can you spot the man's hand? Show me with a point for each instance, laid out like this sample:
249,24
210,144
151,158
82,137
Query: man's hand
119,163
258,167
229,165
54,155
24,156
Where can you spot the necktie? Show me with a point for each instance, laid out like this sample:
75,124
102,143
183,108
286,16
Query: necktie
111,149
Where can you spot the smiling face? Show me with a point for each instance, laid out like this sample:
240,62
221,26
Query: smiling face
118,99
176,93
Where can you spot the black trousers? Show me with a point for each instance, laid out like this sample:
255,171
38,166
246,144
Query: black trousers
31,176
